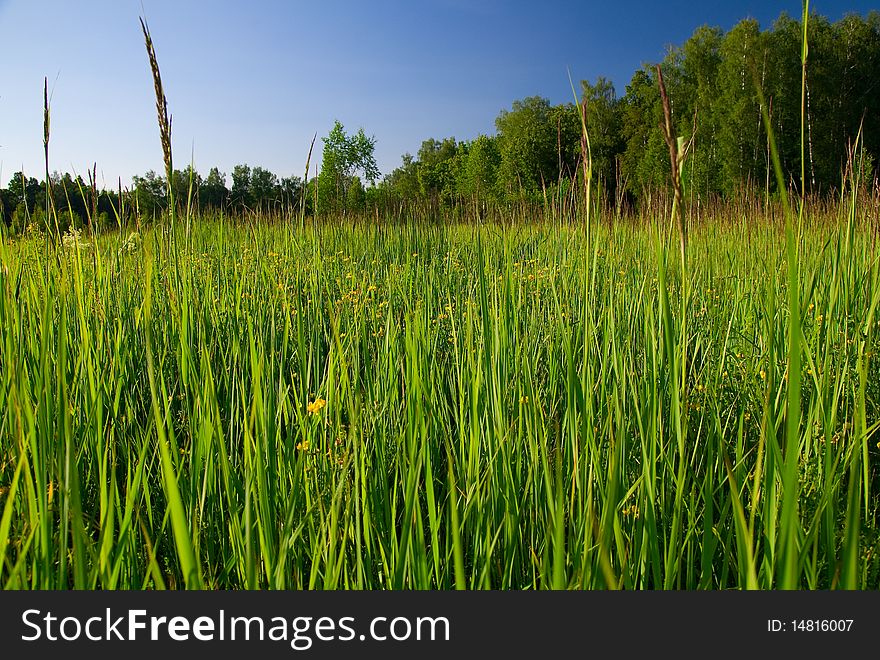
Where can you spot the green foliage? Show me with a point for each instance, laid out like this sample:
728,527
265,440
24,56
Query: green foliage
67,220
440,406
405,179
213,192
694,90
645,161
344,156
240,193
439,171
740,137
254,189
330,192
20,219
528,146
23,189
355,196
150,194
265,189
479,177
604,126
711,80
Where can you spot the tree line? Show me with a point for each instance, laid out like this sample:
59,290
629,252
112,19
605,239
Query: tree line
715,81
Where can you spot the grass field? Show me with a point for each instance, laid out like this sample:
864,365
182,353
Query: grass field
507,407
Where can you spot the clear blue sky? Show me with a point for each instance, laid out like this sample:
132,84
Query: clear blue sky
252,81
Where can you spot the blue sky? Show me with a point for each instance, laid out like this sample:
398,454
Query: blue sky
253,81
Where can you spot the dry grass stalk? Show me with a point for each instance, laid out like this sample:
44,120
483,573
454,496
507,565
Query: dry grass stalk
678,152
49,197
93,192
162,114
586,160
302,210
46,144
46,124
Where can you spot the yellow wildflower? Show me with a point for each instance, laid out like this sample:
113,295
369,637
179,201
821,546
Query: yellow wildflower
314,407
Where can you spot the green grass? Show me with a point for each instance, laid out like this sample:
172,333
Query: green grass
506,407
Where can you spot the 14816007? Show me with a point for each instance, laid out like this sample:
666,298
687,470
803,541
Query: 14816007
810,625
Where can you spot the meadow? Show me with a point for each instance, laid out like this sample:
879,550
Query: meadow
524,405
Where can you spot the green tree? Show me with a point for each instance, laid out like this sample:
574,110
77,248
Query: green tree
437,170
240,194
264,188
72,195
479,177
528,146
344,156
857,47
290,191
783,91
23,189
741,137
7,208
355,196
182,181
403,182
150,194
214,193
645,161
604,127
693,89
